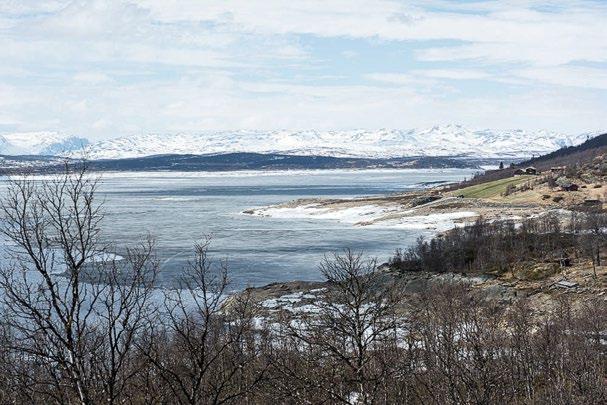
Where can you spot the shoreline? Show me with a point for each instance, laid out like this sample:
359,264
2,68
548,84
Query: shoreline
441,208
427,209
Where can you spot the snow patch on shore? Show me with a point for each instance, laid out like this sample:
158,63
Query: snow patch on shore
439,222
348,215
368,215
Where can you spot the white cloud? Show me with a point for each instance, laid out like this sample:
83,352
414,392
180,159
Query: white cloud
421,84
91,77
113,67
519,33
20,7
350,54
575,76
456,74
393,78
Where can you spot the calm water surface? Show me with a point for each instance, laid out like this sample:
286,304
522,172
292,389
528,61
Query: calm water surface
179,208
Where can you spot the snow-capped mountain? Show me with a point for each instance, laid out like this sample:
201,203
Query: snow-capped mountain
40,143
449,140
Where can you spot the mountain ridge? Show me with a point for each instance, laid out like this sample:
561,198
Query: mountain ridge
40,143
444,141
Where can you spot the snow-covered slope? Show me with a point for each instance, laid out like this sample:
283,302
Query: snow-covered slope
451,140
40,143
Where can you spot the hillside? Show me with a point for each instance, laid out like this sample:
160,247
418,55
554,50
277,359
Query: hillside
572,156
234,161
596,143
258,161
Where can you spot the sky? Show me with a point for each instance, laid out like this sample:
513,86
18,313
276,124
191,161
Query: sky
107,68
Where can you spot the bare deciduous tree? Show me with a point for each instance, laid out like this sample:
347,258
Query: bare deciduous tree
79,333
343,339
205,353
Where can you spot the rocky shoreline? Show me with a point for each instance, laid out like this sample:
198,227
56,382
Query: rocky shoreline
577,283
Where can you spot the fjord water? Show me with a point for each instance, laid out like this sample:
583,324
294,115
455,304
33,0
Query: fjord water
180,208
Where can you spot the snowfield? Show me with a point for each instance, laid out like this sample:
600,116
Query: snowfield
448,140
40,143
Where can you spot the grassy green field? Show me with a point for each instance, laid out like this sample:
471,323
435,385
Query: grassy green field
492,188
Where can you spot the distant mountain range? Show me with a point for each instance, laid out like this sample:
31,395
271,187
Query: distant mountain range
43,143
440,141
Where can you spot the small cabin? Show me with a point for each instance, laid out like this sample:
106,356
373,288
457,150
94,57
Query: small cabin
531,170
557,169
519,172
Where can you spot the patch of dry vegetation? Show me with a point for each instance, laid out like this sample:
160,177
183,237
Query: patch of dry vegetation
491,189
